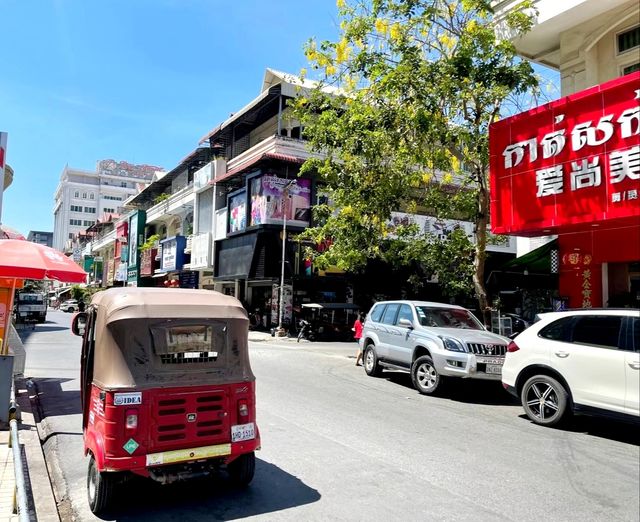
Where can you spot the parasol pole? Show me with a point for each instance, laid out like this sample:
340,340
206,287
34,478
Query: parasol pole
4,345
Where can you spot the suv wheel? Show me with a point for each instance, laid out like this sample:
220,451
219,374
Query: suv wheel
424,375
371,365
544,400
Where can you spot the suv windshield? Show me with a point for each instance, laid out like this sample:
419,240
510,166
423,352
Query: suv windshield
447,318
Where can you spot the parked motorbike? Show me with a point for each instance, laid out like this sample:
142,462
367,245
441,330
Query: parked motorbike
305,331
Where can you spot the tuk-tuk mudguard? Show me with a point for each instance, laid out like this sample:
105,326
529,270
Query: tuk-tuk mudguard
94,444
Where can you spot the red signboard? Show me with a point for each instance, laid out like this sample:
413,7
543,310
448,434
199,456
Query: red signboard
575,160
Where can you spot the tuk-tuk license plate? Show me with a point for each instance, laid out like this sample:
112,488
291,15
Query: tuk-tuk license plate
242,432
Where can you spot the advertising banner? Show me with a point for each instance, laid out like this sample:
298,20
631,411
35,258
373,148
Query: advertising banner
137,223
111,268
268,205
237,212
575,160
172,257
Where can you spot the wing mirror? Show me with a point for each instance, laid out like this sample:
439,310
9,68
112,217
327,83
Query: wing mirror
406,323
79,324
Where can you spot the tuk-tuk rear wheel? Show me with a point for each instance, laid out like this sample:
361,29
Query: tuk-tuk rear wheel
100,488
242,469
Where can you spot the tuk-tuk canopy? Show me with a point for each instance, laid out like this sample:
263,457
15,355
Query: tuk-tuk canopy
157,337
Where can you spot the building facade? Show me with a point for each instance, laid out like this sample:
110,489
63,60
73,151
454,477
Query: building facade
572,167
42,238
83,196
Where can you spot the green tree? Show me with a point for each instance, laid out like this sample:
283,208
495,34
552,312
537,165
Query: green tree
401,114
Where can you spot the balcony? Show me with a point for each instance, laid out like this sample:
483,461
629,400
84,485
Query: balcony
542,43
178,204
275,146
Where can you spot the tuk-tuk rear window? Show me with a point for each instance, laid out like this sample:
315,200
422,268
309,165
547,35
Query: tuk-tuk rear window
188,343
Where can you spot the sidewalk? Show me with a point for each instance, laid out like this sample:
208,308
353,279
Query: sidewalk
7,478
258,336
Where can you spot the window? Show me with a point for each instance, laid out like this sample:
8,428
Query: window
597,330
84,195
405,313
87,223
559,330
440,317
113,198
630,69
389,316
75,222
634,333
70,235
91,196
376,313
76,194
76,208
123,184
108,210
90,210
628,40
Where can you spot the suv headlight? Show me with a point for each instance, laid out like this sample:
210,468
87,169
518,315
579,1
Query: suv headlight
452,344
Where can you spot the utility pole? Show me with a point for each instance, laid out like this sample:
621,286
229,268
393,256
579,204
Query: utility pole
285,196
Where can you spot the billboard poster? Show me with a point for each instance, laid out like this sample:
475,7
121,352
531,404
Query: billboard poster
238,212
268,204
573,161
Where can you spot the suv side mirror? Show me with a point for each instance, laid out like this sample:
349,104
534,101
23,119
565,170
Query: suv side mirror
406,323
79,323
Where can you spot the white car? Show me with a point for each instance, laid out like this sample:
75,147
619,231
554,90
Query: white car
69,306
584,361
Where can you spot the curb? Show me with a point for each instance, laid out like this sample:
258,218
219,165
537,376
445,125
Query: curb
39,488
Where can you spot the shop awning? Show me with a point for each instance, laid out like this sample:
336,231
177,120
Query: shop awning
538,260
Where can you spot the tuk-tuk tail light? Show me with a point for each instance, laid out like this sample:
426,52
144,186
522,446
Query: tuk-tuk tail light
131,419
243,409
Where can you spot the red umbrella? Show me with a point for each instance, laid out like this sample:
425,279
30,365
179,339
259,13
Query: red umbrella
27,260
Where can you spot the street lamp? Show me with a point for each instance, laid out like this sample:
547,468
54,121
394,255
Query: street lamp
285,196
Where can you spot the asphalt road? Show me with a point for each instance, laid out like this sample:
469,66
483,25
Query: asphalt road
338,445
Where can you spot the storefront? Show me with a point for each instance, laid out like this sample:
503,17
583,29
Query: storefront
572,168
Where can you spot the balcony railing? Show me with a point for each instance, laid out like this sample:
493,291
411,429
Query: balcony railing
273,145
174,205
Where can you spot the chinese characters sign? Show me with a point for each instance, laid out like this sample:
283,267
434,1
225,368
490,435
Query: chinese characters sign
572,161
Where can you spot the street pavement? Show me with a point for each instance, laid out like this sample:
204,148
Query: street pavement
339,445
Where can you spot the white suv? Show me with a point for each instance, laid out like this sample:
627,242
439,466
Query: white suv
583,360
432,341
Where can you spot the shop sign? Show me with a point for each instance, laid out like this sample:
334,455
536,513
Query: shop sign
575,160
110,271
188,279
273,197
137,222
146,261
172,253
201,251
121,272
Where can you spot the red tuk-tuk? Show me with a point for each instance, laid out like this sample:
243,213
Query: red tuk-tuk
167,388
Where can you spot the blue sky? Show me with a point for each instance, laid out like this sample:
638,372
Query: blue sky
139,81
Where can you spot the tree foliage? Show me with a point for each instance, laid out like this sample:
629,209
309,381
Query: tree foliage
402,112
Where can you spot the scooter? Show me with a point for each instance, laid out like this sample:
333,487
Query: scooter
306,331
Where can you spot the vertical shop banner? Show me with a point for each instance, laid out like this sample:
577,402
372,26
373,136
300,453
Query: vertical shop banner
137,222
237,204
268,204
575,160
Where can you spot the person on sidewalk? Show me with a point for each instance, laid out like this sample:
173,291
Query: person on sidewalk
357,335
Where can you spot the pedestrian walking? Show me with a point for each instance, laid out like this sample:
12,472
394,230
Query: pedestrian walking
357,335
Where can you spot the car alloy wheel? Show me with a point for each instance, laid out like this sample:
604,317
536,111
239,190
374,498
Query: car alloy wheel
544,400
371,365
424,375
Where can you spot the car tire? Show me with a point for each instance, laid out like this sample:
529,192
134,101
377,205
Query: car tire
424,375
370,361
100,488
545,400
242,469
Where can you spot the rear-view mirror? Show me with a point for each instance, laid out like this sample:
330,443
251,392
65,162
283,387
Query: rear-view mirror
405,322
79,324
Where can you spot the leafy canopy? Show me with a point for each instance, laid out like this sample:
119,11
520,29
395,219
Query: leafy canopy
413,87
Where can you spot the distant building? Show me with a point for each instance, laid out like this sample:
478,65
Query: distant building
82,196
42,238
